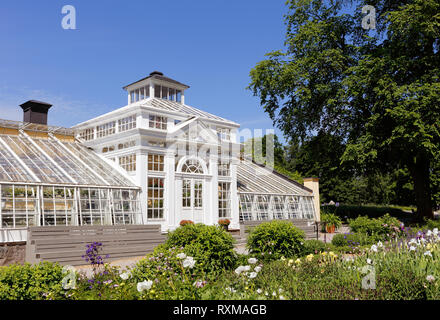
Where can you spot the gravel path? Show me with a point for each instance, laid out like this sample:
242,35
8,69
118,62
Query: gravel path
124,264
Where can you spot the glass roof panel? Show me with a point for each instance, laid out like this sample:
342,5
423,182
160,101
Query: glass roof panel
97,164
10,168
40,165
256,179
51,161
69,164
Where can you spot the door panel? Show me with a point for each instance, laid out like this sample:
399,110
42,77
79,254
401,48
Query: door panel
192,202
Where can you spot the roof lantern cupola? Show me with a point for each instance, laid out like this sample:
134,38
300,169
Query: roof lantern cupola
156,85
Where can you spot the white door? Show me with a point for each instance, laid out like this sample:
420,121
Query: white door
192,200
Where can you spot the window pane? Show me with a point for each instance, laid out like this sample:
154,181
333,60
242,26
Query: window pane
172,94
164,93
157,91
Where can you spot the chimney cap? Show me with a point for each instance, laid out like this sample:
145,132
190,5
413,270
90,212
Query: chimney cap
35,105
156,73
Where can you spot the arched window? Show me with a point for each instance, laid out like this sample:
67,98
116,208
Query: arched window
192,166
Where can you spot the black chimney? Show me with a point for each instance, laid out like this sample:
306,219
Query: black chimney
35,111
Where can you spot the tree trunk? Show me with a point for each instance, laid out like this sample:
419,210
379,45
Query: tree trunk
420,175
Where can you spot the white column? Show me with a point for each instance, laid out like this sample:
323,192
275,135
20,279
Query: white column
212,198
270,208
286,207
141,179
235,215
170,192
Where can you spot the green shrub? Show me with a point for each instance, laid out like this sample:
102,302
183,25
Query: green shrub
31,282
272,240
383,228
211,246
352,240
432,224
315,246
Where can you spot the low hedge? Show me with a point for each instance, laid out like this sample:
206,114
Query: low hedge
379,229
346,212
352,240
315,246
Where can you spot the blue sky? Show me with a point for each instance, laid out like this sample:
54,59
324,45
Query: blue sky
210,45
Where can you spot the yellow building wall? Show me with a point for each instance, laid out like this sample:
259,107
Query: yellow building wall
63,137
37,134
9,131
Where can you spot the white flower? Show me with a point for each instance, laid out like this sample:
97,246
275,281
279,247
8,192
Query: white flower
430,278
239,270
428,253
259,291
257,269
412,248
282,298
181,256
435,231
412,241
280,290
369,261
380,244
252,275
374,248
125,275
189,262
144,285
274,293
252,261
429,233
69,281
231,289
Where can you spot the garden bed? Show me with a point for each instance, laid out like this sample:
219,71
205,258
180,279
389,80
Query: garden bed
198,262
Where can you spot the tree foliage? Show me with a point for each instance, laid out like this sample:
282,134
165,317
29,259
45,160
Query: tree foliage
377,91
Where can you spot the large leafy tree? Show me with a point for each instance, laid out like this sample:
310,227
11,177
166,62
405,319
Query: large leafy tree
377,90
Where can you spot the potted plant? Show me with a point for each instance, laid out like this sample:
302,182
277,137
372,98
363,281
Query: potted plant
331,222
224,223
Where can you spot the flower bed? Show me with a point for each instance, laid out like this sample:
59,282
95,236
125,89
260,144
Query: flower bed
401,268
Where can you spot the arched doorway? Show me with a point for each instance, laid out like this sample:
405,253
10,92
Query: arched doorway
192,187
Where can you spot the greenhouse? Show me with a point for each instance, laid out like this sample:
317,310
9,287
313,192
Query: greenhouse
49,179
265,195
155,161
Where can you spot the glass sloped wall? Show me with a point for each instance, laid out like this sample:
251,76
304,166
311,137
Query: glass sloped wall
265,195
